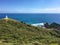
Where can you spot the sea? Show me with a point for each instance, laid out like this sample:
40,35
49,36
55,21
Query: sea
33,18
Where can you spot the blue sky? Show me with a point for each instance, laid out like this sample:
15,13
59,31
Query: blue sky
29,6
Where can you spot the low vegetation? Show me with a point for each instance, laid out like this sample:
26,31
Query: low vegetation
13,32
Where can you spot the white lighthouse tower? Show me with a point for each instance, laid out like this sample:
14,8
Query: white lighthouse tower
6,17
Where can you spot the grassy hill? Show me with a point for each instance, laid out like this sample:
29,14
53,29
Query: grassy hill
13,32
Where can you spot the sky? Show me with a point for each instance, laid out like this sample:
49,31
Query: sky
29,6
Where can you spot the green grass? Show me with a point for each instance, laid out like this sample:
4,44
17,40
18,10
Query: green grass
54,44
13,32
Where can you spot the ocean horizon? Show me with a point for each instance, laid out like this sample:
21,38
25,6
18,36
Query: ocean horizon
33,18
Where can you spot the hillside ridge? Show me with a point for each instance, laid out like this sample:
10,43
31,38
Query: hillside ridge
19,33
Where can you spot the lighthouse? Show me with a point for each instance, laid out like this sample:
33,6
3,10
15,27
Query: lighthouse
6,17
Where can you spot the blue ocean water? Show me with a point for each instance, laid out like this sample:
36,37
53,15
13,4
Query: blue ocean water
32,18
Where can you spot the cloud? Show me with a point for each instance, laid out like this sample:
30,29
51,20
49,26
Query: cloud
44,10
47,10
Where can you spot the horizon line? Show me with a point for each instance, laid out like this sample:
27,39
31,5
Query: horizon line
47,13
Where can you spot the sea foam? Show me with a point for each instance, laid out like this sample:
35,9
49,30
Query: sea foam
38,24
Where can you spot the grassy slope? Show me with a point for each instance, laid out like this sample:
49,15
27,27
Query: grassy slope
13,32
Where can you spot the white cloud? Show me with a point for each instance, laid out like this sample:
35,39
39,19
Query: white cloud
44,10
47,10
